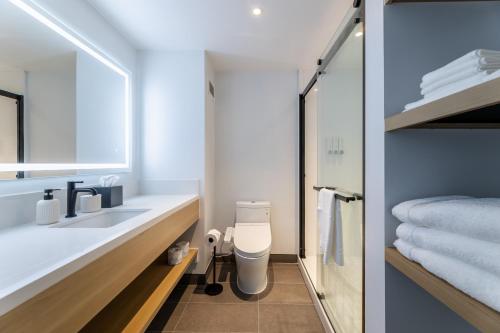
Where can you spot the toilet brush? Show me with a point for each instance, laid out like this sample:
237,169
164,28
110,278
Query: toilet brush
214,288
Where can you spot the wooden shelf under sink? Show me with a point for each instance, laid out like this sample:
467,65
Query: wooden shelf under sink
476,313
135,307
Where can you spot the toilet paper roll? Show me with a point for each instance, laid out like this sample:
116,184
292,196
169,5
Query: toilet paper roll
212,238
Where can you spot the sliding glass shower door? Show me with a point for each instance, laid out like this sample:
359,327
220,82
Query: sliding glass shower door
333,157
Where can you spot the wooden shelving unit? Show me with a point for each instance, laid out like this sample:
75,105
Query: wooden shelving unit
136,306
476,107
476,313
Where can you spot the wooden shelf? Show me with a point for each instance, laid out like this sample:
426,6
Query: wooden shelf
476,107
476,313
136,306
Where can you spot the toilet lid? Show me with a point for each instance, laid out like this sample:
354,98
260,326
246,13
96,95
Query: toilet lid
252,240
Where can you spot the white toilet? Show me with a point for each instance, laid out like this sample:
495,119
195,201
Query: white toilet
252,244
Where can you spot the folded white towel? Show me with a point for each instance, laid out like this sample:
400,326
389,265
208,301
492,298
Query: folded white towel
488,56
453,88
468,73
478,64
482,254
330,227
402,210
476,218
475,282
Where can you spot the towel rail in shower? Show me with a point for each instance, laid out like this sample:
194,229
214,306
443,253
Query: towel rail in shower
352,197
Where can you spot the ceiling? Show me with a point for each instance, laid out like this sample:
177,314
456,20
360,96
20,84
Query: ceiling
286,35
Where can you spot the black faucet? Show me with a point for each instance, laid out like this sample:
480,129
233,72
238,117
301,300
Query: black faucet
72,194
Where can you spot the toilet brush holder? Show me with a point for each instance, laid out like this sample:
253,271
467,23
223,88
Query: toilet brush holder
214,288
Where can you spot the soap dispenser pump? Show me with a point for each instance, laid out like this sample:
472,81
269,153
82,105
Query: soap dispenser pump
48,210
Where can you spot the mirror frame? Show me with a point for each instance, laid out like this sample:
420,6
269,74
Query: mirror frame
56,25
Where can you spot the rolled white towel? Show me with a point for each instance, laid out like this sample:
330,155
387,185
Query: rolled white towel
482,254
476,218
488,56
475,282
402,210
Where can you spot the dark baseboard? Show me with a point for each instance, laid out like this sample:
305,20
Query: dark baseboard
283,258
202,278
277,258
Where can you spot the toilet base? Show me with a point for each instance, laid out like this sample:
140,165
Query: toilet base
252,273
251,292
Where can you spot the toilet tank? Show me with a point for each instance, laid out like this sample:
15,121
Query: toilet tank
253,211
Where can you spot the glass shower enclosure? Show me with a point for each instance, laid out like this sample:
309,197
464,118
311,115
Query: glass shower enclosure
332,127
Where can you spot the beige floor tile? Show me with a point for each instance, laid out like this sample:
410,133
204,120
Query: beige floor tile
230,294
286,318
285,273
206,317
285,294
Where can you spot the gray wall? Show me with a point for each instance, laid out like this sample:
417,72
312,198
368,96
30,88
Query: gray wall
419,163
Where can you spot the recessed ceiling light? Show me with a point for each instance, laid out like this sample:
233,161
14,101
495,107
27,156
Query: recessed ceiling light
315,89
256,11
359,34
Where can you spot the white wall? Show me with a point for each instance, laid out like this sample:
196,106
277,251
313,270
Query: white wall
175,129
256,149
50,111
100,120
88,23
8,131
210,131
374,169
12,80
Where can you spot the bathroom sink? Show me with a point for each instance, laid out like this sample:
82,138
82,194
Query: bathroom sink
104,219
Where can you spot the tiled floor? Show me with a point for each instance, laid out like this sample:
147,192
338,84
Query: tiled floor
284,307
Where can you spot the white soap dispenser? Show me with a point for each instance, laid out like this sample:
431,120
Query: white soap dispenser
48,210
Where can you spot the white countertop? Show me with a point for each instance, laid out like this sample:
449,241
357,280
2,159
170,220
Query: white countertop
34,257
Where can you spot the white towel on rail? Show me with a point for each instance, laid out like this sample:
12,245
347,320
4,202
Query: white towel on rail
338,249
330,226
482,254
481,55
401,211
476,218
475,282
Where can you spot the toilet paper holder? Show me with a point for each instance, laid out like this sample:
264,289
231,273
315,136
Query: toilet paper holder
215,288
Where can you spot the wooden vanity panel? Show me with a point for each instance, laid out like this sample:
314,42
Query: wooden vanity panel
69,304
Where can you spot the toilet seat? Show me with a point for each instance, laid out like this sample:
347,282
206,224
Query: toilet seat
252,240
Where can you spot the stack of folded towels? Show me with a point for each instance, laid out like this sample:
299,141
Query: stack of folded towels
456,238
472,69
